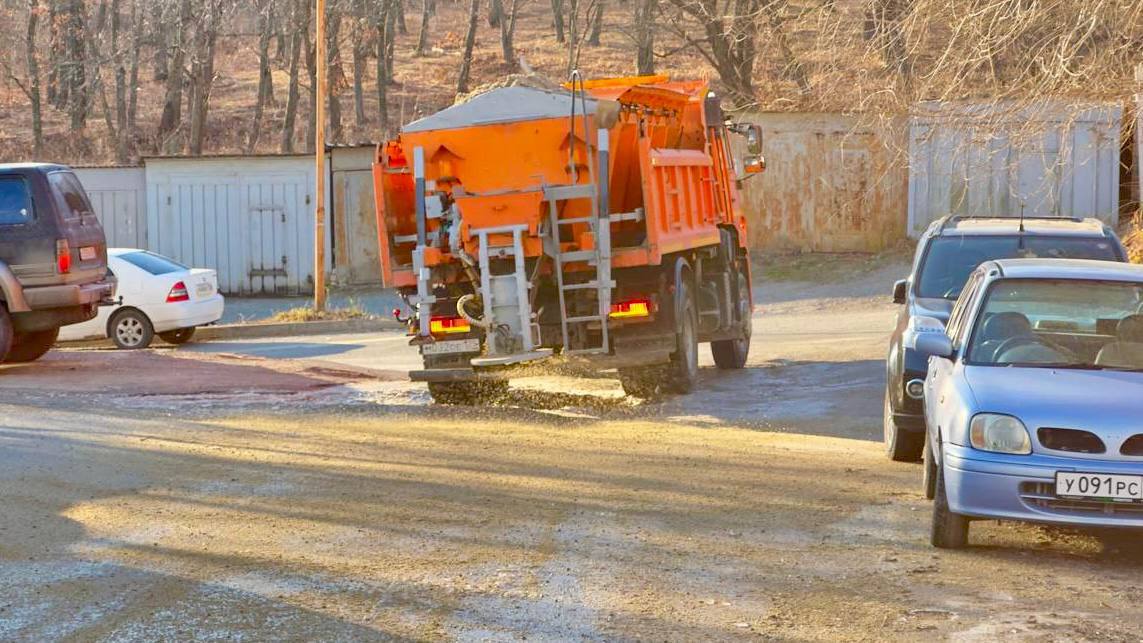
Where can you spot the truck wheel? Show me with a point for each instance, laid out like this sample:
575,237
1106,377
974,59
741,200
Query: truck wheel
29,347
900,446
682,373
130,330
949,530
177,337
6,333
468,393
732,353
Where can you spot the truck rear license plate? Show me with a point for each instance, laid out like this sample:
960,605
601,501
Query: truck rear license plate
1099,486
451,346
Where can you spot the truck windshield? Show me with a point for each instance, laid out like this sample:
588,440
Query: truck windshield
950,260
152,263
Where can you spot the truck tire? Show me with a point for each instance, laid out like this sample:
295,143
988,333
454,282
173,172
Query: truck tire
130,329
468,393
6,333
29,347
682,372
731,354
178,337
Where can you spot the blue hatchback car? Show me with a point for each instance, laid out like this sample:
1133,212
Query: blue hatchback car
1034,398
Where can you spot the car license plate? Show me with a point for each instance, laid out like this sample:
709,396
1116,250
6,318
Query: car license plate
452,346
205,289
87,253
1099,486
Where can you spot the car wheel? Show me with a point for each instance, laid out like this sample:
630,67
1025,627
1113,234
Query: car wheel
6,333
683,370
950,530
29,347
178,337
131,330
732,353
929,482
900,446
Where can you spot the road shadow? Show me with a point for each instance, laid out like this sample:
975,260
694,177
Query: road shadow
278,349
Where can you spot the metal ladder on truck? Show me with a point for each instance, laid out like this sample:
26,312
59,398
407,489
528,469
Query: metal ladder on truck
598,259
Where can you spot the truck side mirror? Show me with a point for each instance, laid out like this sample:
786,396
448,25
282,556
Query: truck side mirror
900,291
754,165
754,140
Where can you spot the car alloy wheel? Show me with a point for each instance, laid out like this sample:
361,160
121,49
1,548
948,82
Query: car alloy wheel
131,330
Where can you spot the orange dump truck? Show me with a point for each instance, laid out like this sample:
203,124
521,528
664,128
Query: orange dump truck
599,222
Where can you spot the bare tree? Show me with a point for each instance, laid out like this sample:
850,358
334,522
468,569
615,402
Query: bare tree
130,136
423,36
171,119
645,13
469,44
384,25
729,33
360,35
31,85
558,18
596,23
265,75
202,71
300,27
508,34
335,78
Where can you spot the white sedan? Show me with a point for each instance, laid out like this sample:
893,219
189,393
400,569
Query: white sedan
159,297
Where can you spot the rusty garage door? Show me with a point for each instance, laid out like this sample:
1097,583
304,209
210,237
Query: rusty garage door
357,258
831,185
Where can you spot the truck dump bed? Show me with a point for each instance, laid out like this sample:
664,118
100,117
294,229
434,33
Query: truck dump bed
668,187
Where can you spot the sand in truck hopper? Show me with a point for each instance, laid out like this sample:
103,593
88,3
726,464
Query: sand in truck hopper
599,222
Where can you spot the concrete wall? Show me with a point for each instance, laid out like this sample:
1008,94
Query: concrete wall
832,184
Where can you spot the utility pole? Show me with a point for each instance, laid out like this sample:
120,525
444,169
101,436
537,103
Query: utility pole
319,153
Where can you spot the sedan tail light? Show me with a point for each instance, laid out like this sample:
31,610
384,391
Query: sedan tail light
178,293
63,256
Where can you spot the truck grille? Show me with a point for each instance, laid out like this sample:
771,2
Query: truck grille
1042,496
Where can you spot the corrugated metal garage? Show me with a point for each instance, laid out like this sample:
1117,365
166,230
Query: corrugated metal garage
831,185
118,195
1050,159
250,218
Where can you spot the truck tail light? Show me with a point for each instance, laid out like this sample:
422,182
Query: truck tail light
449,326
63,256
178,293
631,309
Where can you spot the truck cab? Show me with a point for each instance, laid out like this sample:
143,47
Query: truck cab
53,258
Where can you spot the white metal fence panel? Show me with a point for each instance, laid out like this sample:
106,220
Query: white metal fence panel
118,195
249,218
1046,160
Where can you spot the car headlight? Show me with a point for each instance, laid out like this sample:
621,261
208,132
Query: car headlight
1000,434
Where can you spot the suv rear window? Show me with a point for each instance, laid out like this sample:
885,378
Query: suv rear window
15,203
152,263
72,198
950,260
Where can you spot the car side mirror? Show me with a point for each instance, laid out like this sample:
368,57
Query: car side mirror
900,291
935,345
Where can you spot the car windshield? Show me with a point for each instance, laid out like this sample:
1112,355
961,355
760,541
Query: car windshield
950,260
1066,323
152,263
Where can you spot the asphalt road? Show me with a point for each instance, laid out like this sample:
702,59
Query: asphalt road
261,490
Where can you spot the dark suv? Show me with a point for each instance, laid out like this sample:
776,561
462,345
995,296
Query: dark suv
53,258
946,255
